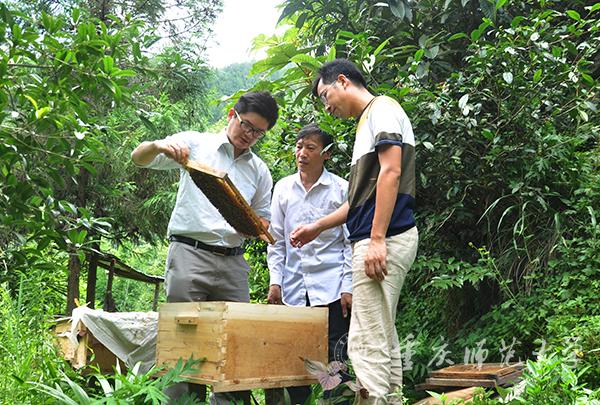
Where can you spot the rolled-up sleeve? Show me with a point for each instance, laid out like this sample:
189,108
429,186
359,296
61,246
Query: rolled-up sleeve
162,161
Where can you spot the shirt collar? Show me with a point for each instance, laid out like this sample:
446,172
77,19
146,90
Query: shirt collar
324,179
226,145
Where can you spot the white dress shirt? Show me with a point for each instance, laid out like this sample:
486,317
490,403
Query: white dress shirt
194,215
322,268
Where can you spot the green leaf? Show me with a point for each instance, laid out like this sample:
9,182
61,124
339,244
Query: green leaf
590,106
303,58
32,101
592,215
80,394
123,73
75,16
500,4
56,393
108,64
43,243
106,387
331,54
458,35
16,32
489,135
39,114
516,21
148,124
46,21
381,46
419,54
595,7
476,34
397,7
574,15
488,8
408,12
135,48
302,95
587,78
537,75
432,52
301,19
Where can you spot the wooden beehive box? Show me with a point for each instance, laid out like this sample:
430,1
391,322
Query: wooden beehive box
245,346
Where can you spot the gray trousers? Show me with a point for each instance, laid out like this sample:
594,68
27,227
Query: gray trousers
194,275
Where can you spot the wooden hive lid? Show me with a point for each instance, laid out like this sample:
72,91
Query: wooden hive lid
226,198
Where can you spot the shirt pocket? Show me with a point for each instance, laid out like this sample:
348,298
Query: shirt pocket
245,184
332,233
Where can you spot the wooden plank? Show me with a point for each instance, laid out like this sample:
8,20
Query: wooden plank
74,354
275,349
429,387
485,370
280,313
227,199
435,383
466,394
265,383
461,382
472,382
509,379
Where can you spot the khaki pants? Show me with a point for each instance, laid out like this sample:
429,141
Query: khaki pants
373,345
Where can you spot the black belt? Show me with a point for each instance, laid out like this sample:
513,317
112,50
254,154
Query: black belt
218,250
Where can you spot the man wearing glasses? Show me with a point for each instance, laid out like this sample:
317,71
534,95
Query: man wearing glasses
205,259
380,220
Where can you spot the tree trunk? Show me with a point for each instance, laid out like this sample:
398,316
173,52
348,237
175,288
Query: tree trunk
73,282
74,262
92,277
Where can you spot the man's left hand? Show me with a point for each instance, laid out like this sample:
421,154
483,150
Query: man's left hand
346,302
375,260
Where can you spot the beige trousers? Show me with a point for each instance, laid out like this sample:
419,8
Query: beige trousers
373,345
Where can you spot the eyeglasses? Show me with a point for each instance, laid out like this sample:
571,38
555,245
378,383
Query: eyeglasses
249,128
323,95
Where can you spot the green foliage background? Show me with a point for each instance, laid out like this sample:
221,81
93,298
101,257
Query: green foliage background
503,97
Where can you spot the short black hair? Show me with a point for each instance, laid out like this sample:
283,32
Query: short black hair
313,129
329,73
261,103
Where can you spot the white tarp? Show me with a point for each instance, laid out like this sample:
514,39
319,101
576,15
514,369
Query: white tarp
131,336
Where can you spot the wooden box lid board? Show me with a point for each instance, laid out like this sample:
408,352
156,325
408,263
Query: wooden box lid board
473,375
